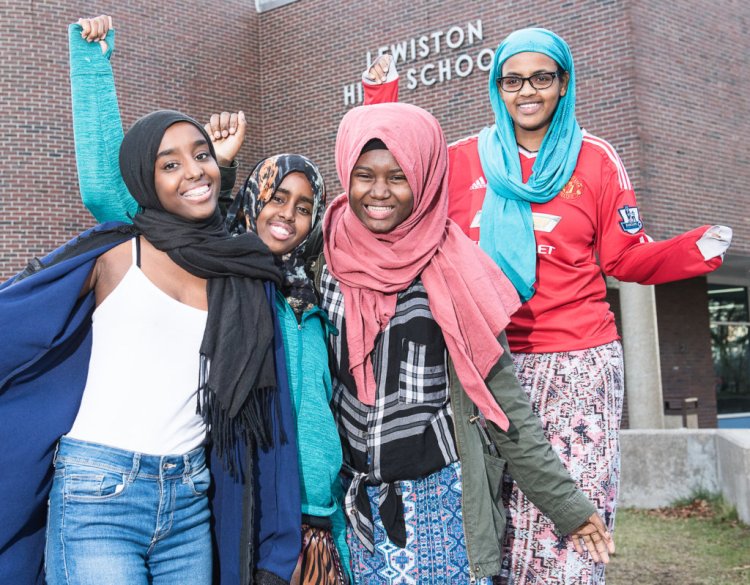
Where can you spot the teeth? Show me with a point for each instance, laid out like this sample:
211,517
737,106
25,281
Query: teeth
280,230
197,192
379,209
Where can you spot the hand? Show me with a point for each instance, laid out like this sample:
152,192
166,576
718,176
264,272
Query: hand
719,232
96,29
595,537
379,70
227,132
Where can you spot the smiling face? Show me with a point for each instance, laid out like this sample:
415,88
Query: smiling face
186,176
532,109
379,194
285,220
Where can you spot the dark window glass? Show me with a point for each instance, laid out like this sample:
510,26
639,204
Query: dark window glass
730,346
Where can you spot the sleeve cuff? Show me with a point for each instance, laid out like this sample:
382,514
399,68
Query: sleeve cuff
715,241
228,176
89,55
391,76
574,512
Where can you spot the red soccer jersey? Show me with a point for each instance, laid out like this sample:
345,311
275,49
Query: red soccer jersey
595,215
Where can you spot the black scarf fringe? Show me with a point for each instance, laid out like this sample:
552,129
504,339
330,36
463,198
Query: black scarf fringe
253,424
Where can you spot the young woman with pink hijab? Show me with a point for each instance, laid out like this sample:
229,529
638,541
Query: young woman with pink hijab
428,406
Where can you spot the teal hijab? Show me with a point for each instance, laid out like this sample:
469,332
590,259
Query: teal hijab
506,226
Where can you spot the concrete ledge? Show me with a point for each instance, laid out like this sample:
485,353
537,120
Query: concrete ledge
661,466
733,468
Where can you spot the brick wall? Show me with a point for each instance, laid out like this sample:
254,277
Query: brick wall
685,346
668,133
691,70
169,54
664,82
287,69
641,69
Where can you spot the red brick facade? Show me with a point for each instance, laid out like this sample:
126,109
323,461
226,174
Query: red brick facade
665,82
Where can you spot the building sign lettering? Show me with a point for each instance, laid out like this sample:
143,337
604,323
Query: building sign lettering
454,53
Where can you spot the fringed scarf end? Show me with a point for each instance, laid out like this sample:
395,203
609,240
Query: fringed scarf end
253,423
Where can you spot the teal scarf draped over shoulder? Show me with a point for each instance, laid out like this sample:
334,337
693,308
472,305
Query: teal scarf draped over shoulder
506,224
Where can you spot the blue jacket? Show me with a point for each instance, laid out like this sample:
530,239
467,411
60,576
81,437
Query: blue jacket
44,356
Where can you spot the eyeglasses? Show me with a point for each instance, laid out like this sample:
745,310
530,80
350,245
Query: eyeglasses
513,83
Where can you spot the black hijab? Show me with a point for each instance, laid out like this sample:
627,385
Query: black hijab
237,364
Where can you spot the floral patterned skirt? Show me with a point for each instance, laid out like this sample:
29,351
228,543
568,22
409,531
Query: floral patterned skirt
578,396
435,552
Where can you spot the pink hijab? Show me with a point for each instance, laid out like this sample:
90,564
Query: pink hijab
470,298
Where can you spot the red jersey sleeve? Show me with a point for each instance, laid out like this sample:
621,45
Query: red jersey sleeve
626,251
380,93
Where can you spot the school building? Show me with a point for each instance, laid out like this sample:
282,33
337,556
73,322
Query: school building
665,82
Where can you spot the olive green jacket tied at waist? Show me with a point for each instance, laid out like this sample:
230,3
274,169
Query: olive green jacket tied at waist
484,450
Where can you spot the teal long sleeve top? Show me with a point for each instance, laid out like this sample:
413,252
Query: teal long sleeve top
98,134
97,129
319,446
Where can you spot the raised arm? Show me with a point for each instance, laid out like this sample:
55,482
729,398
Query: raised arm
227,132
97,126
380,81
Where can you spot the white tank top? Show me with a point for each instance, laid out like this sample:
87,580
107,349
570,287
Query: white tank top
140,393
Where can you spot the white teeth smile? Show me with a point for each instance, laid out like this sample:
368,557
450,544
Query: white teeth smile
378,211
280,231
529,107
197,192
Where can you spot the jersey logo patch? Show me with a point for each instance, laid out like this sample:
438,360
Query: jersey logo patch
544,222
573,189
631,220
480,183
477,218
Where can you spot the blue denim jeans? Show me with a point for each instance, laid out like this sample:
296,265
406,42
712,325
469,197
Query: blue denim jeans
117,517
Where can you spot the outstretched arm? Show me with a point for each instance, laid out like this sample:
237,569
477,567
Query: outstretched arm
97,126
625,250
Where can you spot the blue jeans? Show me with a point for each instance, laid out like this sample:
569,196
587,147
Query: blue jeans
123,518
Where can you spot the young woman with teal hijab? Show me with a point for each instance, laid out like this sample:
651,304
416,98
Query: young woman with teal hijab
554,207
507,227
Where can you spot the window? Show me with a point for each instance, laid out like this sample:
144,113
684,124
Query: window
730,347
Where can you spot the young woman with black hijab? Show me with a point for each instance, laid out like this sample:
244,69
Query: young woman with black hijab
283,201
160,333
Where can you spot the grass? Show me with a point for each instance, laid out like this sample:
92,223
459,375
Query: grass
698,541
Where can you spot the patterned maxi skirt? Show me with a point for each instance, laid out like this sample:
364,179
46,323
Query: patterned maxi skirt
435,552
578,396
